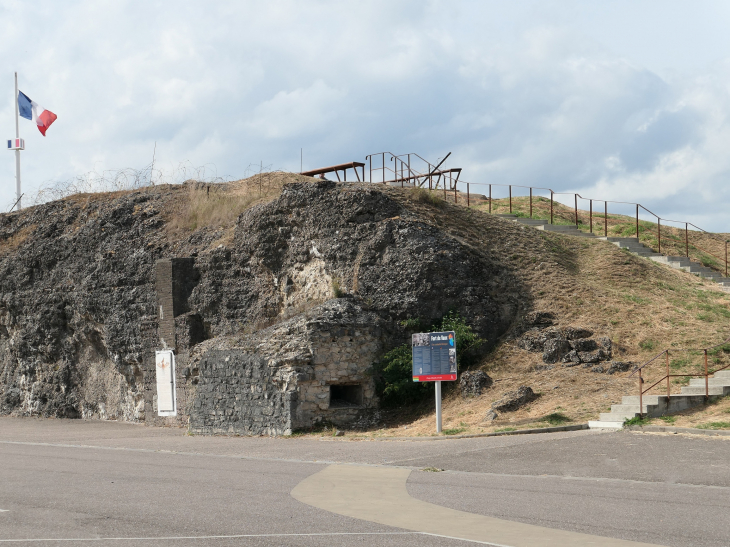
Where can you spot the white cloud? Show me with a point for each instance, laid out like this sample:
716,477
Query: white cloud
533,92
301,112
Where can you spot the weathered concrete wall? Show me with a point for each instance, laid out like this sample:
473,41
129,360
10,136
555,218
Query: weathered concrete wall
81,290
281,378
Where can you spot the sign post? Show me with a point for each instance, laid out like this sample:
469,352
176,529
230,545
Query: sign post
434,360
438,406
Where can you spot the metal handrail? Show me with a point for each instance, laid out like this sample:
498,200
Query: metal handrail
668,376
414,174
638,206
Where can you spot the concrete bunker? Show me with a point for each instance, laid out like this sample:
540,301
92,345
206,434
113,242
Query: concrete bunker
314,367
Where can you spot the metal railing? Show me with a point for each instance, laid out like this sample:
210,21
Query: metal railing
413,170
668,375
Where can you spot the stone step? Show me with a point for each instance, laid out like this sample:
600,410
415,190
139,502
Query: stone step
712,381
700,390
565,230
623,407
617,416
647,399
672,261
506,215
560,227
615,239
597,424
692,268
723,374
531,221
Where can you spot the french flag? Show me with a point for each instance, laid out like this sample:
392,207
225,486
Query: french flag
31,110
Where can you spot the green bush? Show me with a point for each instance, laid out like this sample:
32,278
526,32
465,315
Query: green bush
394,371
714,425
636,420
394,379
556,418
467,341
426,196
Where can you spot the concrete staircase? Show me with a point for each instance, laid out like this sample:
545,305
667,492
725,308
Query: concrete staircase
546,227
634,246
659,405
678,262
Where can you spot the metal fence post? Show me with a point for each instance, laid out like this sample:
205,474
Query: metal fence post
605,219
590,215
490,198
510,199
641,396
551,206
637,221
707,381
576,209
467,194
667,356
659,232
686,239
530,202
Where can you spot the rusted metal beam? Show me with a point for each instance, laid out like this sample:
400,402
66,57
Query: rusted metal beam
456,170
333,168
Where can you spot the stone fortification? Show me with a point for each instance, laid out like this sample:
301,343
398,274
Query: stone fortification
87,287
313,367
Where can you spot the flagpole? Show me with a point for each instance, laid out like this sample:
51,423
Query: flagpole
17,152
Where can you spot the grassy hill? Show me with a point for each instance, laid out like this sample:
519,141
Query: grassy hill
642,306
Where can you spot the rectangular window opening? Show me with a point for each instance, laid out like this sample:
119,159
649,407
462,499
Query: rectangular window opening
345,395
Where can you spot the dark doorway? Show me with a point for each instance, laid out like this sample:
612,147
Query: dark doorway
345,395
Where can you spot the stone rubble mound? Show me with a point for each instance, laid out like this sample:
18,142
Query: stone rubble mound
512,400
472,383
570,345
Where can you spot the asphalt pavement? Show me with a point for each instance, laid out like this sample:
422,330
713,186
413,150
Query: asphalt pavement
67,482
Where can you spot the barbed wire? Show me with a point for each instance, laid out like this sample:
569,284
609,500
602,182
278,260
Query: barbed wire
114,180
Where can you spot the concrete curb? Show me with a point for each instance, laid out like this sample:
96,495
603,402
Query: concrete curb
690,430
555,429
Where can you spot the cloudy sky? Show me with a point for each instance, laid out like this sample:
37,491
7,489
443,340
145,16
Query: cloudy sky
621,100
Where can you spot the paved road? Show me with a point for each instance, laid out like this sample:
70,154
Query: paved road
93,480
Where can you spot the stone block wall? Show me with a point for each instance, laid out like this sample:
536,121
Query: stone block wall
240,395
282,378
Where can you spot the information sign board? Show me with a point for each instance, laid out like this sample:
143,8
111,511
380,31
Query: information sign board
434,356
165,369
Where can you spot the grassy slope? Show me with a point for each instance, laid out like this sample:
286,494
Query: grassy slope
644,307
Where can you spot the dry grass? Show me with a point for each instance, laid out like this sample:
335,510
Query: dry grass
219,205
14,241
